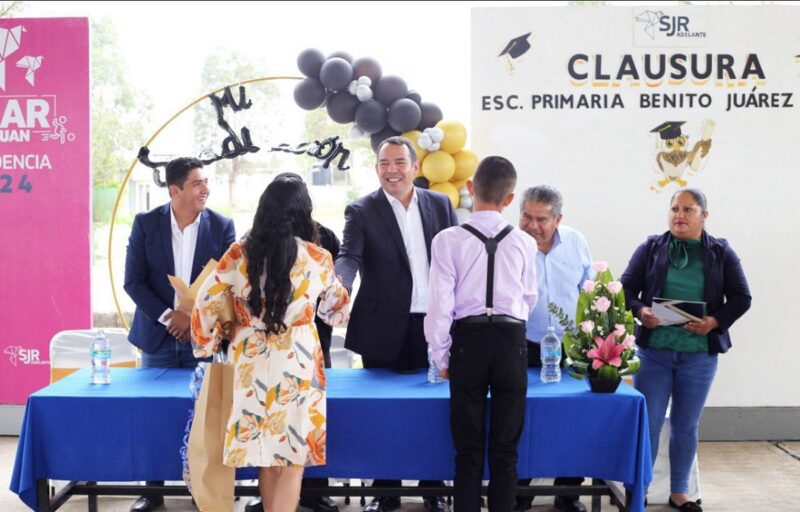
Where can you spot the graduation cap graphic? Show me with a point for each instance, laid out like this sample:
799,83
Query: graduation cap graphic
517,46
668,130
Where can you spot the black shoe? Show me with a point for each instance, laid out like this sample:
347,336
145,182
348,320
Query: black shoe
320,504
569,504
436,504
147,503
383,505
254,505
689,506
523,503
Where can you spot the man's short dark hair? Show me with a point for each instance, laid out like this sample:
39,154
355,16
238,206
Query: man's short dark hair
494,179
178,170
399,141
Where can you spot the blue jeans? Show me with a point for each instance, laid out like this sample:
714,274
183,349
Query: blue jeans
687,378
171,354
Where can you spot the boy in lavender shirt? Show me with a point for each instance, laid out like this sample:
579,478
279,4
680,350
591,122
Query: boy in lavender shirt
483,285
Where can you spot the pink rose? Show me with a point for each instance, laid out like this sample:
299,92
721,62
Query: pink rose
587,326
619,330
588,286
628,341
599,266
614,287
602,304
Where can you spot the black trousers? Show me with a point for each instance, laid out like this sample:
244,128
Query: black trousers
535,361
487,357
412,358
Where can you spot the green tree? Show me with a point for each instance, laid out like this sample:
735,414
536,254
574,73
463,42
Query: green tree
229,67
8,9
119,111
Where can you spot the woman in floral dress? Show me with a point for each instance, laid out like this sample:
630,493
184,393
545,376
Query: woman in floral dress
274,275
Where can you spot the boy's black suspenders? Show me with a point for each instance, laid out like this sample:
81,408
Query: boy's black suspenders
490,244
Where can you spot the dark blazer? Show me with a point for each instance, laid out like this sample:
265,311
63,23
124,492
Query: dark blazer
726,292
149,259
373,246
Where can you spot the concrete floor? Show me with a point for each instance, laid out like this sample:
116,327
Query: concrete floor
735,476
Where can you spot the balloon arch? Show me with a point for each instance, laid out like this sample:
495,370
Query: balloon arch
352,91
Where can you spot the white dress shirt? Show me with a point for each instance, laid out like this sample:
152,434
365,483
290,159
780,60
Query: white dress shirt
410,223
184,244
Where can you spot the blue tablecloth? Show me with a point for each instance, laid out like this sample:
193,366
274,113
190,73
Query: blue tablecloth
380,425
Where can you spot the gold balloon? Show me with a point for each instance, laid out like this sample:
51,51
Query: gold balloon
438,167
412,136
455,136
449,190
459,183
466,162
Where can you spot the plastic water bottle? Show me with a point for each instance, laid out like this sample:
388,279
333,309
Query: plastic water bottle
101,359
433,373
550,348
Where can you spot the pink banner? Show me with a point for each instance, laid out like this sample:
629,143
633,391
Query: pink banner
45,173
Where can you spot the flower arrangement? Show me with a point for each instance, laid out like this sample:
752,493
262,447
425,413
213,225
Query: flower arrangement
600,343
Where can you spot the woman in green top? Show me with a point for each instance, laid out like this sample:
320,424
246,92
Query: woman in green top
679,361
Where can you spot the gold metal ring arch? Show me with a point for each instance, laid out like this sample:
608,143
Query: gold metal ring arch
135,161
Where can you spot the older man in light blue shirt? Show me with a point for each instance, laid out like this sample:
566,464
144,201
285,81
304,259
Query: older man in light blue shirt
563,263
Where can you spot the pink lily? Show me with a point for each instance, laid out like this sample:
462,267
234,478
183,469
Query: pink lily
607,352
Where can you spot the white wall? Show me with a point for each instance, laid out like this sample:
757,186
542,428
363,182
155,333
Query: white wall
603,160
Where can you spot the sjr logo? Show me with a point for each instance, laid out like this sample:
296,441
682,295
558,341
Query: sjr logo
18,354
673,24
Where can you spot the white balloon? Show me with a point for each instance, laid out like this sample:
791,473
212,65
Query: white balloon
462,214
363,93
424,141
465,201
357,133
463,191
437,134
435,146
352,87
365,80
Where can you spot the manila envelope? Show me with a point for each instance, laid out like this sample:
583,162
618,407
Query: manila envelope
186,296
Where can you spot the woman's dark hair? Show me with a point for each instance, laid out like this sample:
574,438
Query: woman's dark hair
284,212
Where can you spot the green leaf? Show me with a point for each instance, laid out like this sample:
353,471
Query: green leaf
583,304
608,372
633,366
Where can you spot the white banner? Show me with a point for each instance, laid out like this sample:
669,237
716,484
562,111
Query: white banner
619,106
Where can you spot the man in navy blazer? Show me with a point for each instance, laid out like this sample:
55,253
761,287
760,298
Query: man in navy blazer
177,238
387,239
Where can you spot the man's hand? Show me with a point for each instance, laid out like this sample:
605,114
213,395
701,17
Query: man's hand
444,373
178,325
708,324
648,319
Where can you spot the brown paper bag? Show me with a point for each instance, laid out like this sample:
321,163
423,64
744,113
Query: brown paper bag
212,481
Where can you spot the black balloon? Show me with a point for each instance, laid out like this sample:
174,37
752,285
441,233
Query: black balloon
421,182
371,116
310,61
367,66
377,138
414,96
404,115
309,93
389,89
342,107
342,55
336,73
431,114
